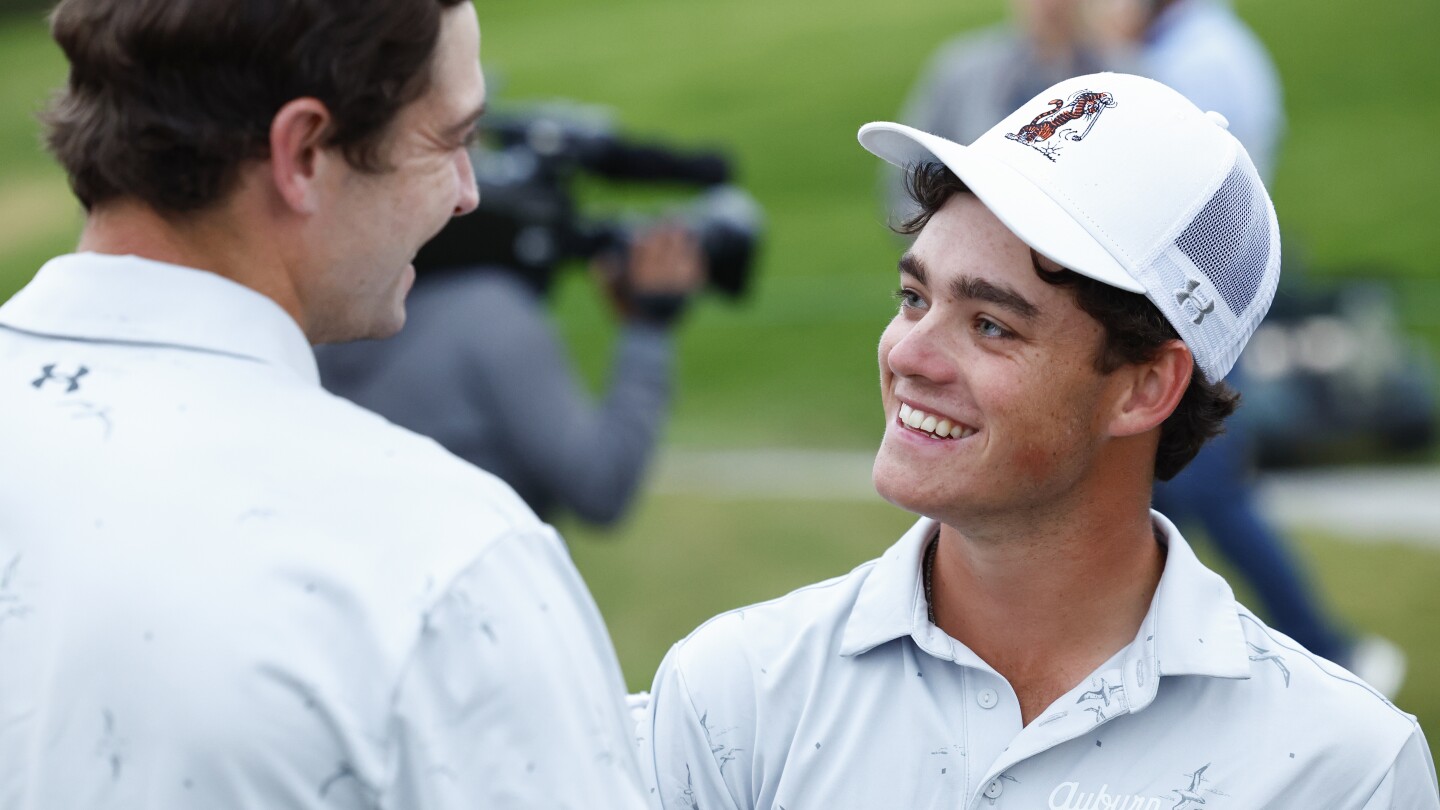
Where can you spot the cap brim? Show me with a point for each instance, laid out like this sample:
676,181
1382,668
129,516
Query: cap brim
1019,204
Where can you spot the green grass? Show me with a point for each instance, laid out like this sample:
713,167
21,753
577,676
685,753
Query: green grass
783,85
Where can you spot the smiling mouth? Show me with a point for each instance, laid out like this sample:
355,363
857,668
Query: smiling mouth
936,427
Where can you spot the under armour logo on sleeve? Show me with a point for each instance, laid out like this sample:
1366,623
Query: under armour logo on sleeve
48,373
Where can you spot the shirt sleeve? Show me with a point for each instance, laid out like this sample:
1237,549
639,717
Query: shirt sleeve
568,448
512,696
1410,783
681,759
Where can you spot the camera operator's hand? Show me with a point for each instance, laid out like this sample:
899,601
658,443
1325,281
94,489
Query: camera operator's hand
665,268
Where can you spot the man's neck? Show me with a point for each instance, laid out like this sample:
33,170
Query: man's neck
220,241
1045,602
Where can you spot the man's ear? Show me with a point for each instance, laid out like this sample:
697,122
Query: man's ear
297,140
1151,390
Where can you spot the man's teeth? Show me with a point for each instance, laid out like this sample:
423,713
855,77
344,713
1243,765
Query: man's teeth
938,427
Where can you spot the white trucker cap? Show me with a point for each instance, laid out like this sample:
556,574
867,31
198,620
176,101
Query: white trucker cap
1122,179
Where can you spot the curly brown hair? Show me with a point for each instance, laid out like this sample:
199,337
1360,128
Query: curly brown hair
1135,331
167,98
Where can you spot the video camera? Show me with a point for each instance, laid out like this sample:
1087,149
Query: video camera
528,221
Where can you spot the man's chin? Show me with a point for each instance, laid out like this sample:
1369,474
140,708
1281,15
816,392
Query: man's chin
388,331
888,484
899,482
390,324
389,327
375,329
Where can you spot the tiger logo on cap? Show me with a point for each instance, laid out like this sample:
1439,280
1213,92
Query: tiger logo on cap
1085,106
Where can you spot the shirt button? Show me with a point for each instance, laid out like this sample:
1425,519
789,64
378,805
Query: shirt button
994,789
987,698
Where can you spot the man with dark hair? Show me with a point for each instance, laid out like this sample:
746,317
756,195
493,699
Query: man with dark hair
1204,50
220,586
1085,274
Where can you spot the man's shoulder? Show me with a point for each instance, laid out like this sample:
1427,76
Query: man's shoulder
1292,707
1306,713
795,630
1288,679
753,671
405,468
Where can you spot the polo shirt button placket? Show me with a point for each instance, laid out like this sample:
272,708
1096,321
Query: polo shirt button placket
987,698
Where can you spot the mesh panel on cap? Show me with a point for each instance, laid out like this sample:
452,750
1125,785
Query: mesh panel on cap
1229,239
1214,280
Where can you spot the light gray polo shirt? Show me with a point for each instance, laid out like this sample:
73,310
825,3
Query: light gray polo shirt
844,695
222,587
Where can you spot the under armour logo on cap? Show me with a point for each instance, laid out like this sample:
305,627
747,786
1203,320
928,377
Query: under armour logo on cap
1198,301
48,373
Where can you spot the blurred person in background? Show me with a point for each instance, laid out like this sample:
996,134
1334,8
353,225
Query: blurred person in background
480,368
220,586
1041,637
1202,49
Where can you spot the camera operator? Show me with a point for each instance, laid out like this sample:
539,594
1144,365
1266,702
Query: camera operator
481,369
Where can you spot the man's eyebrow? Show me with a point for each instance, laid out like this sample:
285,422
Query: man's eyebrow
978,289
463,126
911,265
974,289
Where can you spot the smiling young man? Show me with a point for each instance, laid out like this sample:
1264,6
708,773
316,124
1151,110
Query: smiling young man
220,586
1083,277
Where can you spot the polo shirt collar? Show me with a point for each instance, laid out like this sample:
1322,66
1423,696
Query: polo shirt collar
129,299
1192,627
891,602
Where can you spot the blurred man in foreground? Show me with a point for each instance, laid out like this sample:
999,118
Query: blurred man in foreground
221,587
1085,274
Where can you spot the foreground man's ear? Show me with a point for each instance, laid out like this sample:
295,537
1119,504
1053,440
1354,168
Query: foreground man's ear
1150,391
297,153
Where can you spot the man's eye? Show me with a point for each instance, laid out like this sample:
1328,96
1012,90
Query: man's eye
909,299
989,328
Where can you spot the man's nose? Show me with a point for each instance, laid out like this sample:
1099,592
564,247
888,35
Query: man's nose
469,191
923,352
